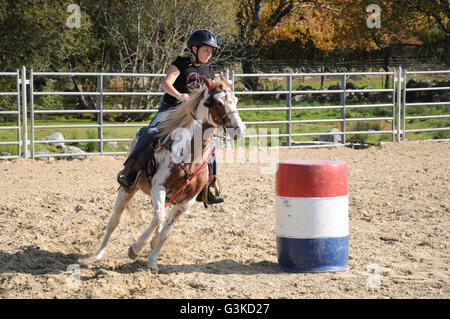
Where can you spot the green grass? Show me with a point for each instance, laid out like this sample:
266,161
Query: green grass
71,134
350,126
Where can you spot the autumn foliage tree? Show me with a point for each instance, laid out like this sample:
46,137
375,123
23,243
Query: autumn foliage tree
145,35
262,24
287,28
402,25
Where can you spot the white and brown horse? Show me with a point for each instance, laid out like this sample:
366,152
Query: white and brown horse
180,155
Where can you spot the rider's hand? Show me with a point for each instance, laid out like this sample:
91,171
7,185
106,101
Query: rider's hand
183,97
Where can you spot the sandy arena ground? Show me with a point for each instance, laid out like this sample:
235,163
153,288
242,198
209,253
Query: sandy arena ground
54,214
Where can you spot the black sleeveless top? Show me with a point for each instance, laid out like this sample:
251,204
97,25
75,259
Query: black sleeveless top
189,79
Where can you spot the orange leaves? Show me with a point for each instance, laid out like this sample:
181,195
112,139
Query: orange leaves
297,20
341,24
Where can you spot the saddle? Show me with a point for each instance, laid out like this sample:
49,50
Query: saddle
150,169
146,164
147,159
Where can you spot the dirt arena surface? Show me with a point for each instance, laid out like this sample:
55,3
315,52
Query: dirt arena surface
54,214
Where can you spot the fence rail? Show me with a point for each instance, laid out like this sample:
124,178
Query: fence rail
405,105
343,91
397,116
17,128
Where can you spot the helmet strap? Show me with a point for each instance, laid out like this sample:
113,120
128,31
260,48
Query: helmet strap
197,61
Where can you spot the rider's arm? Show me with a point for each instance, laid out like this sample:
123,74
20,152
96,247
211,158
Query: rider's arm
171,76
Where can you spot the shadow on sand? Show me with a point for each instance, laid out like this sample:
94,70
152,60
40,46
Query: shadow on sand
35,261
222,267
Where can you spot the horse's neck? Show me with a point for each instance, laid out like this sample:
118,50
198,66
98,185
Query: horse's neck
188,148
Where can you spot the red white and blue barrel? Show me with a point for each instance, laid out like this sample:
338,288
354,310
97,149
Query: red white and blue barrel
312,215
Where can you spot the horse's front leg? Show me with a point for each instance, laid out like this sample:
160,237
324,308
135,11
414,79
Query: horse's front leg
174,214
122,200
158,199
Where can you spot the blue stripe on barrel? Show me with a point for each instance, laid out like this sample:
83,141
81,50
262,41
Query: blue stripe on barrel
312,215
312,254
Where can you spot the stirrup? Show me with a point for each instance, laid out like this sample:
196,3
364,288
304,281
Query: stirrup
207,197
126,173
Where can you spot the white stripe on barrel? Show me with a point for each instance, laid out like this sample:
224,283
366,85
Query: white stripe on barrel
312,215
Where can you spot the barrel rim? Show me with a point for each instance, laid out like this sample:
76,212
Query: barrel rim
312,162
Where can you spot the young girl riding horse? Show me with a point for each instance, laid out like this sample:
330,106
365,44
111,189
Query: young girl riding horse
183,76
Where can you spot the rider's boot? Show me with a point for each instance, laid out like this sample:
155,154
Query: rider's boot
127,176
209,197
214,199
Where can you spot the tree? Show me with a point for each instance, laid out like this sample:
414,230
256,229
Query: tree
402,25
255,19
264,24
154,34
435,12
140,36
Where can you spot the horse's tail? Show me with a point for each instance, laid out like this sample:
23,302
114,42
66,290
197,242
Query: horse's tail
130,207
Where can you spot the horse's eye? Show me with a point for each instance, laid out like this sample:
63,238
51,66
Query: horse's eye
208,102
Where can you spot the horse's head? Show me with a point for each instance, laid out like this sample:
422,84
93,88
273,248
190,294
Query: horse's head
222,106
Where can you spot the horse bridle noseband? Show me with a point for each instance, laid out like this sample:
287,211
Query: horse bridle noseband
223,117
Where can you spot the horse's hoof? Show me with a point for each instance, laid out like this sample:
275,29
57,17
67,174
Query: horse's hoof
154,268
99,255
131,253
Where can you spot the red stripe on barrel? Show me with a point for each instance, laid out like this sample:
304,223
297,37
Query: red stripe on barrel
311,178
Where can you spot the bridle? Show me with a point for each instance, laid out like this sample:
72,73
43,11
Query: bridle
223,117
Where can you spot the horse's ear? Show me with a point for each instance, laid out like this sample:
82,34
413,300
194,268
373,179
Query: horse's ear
224,81
211,85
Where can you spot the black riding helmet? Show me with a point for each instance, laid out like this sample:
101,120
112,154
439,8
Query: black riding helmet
199,38
202,37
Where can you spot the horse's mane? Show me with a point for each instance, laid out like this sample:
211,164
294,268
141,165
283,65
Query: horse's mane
180,116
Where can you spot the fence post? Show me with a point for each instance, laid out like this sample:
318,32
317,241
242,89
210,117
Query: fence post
289,111
24,110
232,80
100,113
19,131
32,114
404,104
343,98
399,100
393,106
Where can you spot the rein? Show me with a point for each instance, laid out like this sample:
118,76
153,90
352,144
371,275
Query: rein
193,175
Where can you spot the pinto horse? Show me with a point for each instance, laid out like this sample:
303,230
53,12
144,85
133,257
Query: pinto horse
180,162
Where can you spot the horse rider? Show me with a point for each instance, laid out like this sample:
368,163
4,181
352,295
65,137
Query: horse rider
183,76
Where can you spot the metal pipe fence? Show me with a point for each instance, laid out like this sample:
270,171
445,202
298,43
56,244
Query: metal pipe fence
407,105
343,93
100,93
17,127
396,116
